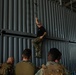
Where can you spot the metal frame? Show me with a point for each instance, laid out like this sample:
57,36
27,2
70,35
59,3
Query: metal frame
23,34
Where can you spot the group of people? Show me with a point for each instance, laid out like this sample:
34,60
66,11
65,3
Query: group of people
25,67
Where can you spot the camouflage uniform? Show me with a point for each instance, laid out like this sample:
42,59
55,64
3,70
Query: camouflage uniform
37,42
24,68
50,71
6,69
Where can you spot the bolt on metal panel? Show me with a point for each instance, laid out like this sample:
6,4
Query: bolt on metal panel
47,18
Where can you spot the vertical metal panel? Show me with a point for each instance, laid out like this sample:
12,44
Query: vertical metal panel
61,25
67,22
24,43
10,16
16,49
20,15
32,16
43,14
20,48
24,15
72,33
33,52
56,20
50,20
54,14
70,26
59,21
28,13
5,19
53,32
70,23
74,27
1,46
64,23
0,50
15,15
0,14
11,46
72,48
5,49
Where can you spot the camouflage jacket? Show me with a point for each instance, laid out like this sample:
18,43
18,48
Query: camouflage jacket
42,70
6,69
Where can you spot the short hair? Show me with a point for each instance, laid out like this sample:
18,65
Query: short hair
55,54
10,60
26,53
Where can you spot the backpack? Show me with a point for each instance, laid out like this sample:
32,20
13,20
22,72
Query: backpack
54,69
5,69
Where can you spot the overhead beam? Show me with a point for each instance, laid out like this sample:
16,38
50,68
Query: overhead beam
72,1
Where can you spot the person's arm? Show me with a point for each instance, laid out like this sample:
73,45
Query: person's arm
37,22
43,35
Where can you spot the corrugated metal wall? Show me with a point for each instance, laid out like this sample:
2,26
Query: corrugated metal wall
17,18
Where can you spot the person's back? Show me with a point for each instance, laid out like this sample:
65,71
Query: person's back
7,68
3,68
54,69
25,67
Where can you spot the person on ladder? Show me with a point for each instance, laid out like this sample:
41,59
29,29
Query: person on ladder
37,42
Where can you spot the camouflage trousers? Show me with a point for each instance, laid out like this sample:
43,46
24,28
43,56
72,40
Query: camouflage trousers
37,42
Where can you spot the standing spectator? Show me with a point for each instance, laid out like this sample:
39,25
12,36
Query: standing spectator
37,42
53,67
8,67
25,67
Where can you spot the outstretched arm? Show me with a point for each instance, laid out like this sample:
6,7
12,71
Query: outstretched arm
37,22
